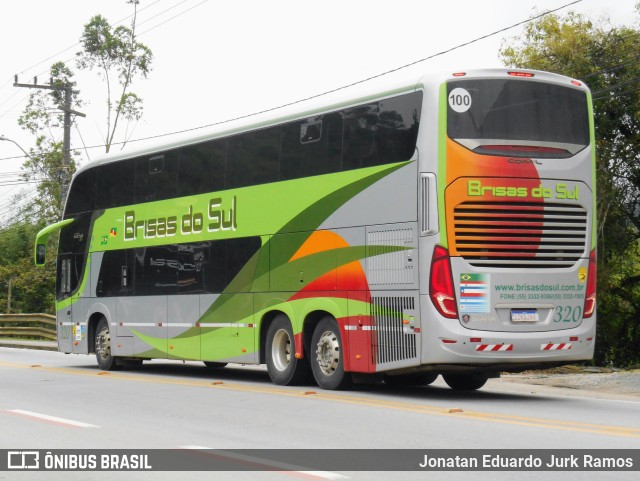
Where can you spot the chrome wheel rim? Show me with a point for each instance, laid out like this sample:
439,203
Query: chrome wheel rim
281,350
328,353
103,344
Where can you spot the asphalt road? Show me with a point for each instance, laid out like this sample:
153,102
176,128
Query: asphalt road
50,400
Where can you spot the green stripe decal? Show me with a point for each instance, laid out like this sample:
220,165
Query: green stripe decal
269,211
442,162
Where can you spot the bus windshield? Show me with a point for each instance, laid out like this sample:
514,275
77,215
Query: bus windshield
517,117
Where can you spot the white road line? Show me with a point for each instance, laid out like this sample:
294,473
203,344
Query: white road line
52,419
266,462
325,474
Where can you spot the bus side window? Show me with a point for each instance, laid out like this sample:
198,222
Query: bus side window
65,275
215,267
253,158
381,132
202,168
69,272
191,259
156,177
311,147
115,188
398,127
116,274
360,132
156,270
82,194
72,252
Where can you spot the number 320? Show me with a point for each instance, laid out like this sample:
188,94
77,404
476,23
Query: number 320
567,314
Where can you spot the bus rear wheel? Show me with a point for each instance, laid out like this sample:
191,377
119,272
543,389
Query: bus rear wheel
327,360
465,382
284,368
106,360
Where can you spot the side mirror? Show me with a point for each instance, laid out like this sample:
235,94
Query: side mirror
40,254
41,240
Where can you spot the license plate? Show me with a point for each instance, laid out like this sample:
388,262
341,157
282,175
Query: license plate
524,315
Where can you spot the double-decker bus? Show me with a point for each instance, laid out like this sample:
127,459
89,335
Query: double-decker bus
444,226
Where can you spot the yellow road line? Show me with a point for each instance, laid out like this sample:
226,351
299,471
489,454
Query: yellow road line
552,424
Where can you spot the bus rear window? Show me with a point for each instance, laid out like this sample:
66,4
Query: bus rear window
517,117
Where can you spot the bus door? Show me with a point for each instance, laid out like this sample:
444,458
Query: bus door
72,332
63,315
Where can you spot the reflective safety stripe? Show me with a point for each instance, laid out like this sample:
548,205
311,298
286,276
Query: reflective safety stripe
359,328
224,324
555,347
494,347
181,324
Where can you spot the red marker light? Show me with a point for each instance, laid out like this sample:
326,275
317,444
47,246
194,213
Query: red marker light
459,74
524,148
576,83
521,74
590,299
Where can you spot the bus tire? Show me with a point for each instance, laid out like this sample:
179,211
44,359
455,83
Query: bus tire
214,365
326,355
282,365
417,379
465,382
106,360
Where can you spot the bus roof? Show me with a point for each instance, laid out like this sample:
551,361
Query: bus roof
342,97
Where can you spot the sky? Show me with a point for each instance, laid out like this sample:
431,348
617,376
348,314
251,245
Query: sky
215,60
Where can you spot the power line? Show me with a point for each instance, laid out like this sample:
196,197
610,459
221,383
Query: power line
172,18
632,81
613,68
69,48
344,87
618,94
161,13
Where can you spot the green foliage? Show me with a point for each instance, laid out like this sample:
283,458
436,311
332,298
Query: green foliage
619,336
119,58
607,60
32,289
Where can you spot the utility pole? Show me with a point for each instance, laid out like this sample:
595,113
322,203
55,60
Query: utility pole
9,296
66,142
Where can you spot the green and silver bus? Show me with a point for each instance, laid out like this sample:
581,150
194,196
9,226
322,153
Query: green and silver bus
443,226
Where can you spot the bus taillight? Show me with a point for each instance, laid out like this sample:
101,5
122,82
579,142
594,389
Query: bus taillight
521,74
590,300
441,287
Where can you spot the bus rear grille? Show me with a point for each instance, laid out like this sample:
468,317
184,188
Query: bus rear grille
393,341
520,234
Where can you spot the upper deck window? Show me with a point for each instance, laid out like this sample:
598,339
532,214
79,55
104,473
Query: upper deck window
517,117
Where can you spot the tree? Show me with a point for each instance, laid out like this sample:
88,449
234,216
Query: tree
119,58
606,59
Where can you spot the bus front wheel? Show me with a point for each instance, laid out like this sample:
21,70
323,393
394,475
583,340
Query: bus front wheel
284,368
327,360
106,360
465,382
